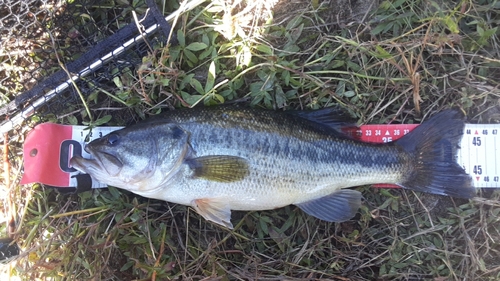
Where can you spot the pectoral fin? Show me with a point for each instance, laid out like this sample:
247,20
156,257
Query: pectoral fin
221,168
339,206
216,210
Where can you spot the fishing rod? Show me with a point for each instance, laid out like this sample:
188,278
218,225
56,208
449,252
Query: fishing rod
17,119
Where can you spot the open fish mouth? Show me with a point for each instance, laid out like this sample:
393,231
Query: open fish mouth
104,164
91,167
82,164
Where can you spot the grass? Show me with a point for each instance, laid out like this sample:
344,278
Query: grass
408,60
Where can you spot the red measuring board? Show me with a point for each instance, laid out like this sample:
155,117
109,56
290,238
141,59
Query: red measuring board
381,133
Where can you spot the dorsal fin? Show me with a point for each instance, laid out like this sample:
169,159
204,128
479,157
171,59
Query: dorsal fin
331,119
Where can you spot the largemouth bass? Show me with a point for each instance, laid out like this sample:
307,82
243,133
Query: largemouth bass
219,159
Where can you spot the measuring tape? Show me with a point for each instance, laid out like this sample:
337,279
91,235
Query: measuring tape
479,152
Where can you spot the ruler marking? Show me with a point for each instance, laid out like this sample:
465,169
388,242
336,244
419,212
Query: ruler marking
490,167
486,177
495,176
478,152
497,154
480,159
483,142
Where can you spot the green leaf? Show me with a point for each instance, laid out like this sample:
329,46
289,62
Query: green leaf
191,57
204,39
292,49
238,83
227,93
398,3
114,192
174,53
190,99
353,66
315,4
349,94
293,23
206,53
197,86
219,98
452,24
263,225
400,265
118,82
264,49
336,64
210,77
181,38
256,100
263,74
490,32
102,120
140,240
72,120
295,34
291,94
285,76
197,46
165,81
256,87
386,5
280,97
480,30
186,80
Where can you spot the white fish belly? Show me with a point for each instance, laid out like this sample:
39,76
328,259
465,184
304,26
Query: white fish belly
273,184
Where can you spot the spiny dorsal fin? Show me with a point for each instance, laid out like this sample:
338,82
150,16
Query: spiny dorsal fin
332,117
221,168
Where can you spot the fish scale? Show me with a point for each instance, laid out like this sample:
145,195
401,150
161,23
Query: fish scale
289,158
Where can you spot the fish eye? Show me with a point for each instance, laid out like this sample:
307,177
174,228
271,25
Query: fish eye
113,139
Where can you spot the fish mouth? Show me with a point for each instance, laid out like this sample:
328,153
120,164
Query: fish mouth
102,165
87,149
82,164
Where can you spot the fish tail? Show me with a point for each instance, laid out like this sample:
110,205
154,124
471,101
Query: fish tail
432,149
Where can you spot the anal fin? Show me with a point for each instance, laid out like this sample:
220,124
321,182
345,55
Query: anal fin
214,209
339,206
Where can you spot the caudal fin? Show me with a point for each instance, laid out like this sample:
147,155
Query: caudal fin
433,149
